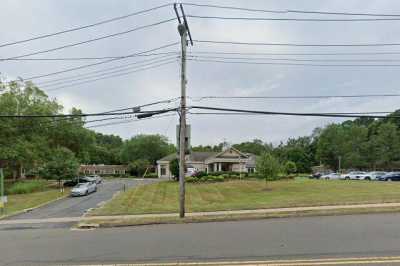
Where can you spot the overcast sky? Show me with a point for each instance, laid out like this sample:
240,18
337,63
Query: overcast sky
22,19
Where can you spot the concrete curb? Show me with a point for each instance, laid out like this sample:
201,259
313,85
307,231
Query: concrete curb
97,221
33,208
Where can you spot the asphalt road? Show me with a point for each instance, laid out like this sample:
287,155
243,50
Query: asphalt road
74,206
289,238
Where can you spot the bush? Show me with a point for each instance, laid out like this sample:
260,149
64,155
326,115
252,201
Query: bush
204,179
151,175
24,187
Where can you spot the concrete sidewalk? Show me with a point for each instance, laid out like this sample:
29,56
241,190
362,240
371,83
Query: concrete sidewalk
202,214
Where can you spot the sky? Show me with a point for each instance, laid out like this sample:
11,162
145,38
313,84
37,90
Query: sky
23,19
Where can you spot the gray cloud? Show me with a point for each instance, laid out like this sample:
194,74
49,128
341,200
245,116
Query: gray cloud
24,19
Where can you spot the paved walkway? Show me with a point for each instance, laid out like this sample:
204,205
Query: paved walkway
197,214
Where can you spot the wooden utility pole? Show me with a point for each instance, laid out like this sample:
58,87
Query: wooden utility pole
184,32
182,134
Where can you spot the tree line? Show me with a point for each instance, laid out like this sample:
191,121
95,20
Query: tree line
45,145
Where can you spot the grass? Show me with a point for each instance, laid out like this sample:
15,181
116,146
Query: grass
21,202
28,186
162,197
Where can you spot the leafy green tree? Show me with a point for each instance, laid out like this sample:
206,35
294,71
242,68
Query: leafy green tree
61,165
174,168
301,151
138,167
290,167
147,147
268,167
256,147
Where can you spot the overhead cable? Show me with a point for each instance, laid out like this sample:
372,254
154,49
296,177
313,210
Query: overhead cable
84,27
91,40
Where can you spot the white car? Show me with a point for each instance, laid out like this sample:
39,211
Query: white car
355,175
96,178
331,176
83,189
372,175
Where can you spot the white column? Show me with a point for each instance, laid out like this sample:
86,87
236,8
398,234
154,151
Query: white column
219,167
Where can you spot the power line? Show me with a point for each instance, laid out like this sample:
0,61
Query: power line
100,63
87,115
113,76
85,58
296,54
353,115
120,67
233,113
116,110
297,97
92,40
295,19
130,121
295,59
290,11
84,27
297,44
294,64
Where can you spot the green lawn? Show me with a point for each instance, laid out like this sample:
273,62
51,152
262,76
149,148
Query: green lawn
25,201
162,197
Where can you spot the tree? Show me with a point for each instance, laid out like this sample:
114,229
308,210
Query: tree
290,167
301,151
268,167
138,167
174,168
61,165
256,147
147,147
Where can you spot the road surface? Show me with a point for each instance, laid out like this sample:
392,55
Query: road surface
289,238
76,206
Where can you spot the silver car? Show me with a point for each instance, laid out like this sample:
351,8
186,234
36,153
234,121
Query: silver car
83,189
97,178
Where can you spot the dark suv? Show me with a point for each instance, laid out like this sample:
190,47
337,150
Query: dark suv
394,176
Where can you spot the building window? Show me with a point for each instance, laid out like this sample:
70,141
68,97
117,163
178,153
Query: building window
163,171
251,170
96,171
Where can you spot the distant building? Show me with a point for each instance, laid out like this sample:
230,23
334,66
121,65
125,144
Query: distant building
229,160
102,169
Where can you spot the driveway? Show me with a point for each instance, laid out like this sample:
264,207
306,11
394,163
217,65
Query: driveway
77,206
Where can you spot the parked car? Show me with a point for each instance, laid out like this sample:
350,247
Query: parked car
77,180
355,175
316,175
393,176
83,189
372,175
97,178
331,176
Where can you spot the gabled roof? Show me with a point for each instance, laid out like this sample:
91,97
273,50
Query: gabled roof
196,156
230,150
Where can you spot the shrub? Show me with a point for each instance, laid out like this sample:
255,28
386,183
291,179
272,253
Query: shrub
24,187
151,175
204,179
